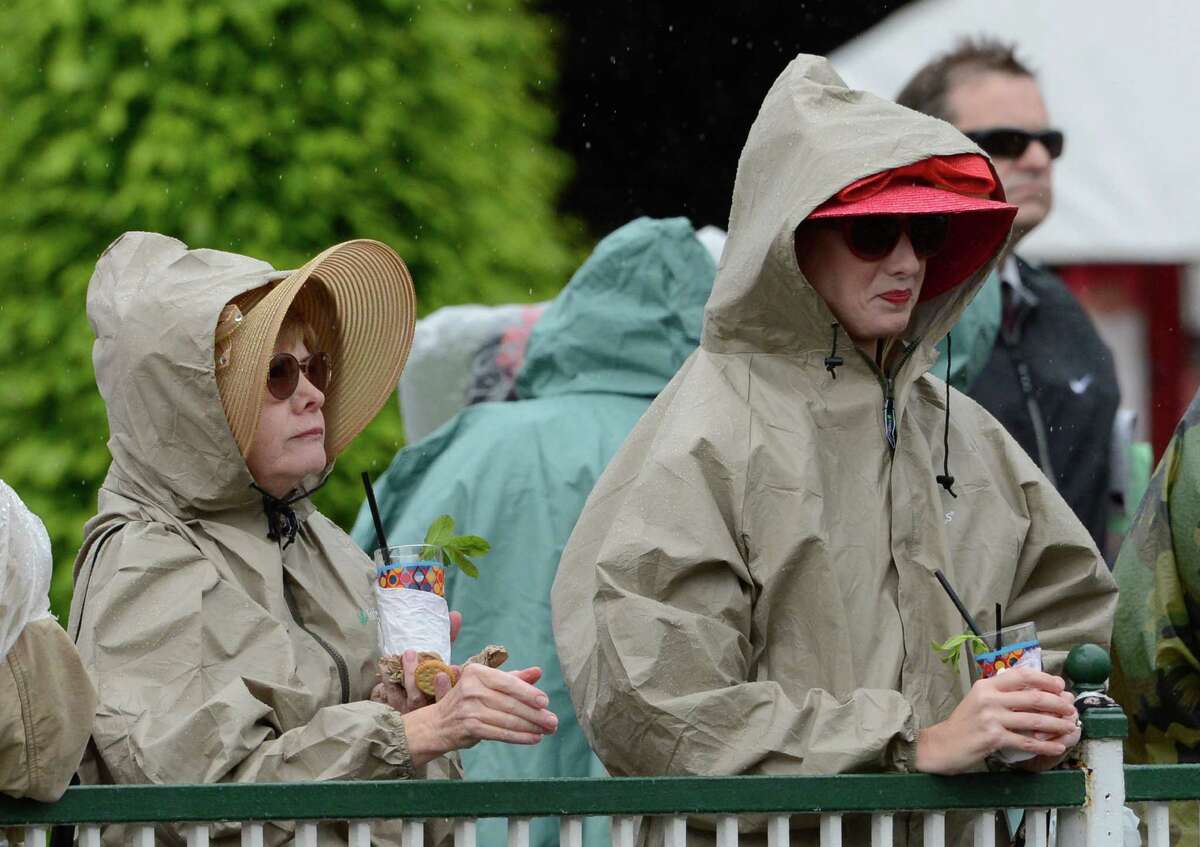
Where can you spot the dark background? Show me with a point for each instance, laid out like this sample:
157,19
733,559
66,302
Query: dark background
655,104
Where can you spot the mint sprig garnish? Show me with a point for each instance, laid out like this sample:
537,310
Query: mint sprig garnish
454,550
951,649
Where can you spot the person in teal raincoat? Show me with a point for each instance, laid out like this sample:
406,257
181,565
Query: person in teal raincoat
518,473
973,337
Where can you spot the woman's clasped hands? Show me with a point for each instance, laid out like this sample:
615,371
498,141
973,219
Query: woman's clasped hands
1022,709
486,704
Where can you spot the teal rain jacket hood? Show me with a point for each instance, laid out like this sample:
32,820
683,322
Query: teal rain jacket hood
518,473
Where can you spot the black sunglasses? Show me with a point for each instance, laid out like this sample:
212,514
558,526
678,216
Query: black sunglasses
873,237
283,374
1011,143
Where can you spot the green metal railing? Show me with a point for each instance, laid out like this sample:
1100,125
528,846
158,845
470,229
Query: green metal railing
550,797
622,799
1161,783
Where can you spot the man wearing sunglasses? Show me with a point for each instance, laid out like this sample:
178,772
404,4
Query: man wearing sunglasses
1043,370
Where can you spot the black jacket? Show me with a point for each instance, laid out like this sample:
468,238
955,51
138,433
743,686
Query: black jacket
1051,382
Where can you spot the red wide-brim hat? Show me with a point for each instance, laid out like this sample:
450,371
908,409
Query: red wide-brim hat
964,187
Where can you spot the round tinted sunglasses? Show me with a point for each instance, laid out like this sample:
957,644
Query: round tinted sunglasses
283,374
873,237
1011,143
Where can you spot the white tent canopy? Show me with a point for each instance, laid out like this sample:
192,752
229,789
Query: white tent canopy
1121,79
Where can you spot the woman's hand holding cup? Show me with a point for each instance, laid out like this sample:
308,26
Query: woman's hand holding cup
408,697
1023,709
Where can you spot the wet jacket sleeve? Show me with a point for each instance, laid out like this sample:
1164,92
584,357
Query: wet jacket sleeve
197,681
1061,583
46,708
667,682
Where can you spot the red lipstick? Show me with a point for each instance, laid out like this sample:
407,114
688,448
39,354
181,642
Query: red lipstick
897,295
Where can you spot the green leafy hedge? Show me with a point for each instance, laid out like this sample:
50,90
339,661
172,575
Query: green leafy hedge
272,128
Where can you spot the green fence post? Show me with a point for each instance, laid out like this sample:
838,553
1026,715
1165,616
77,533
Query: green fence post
1100,823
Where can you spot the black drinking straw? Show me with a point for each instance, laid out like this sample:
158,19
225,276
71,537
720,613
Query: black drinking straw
999,627
962,610
380,536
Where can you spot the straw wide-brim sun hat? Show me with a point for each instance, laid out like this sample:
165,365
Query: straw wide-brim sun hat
358,299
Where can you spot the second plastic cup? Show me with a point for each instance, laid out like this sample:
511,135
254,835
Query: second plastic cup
1012,647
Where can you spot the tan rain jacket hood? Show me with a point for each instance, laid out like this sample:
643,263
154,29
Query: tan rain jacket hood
218,656
750,588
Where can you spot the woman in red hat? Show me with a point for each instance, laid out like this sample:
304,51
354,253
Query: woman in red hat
751,587
874,252
896,238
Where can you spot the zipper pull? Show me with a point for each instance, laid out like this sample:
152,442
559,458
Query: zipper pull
889,413
1025,377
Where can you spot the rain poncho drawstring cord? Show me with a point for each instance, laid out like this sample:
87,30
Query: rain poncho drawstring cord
282,523
833,361
945,479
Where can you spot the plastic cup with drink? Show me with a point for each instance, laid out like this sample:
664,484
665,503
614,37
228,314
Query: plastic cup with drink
410,587
1012,647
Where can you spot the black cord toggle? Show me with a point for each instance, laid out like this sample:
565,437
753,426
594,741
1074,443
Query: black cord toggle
833,360
282,523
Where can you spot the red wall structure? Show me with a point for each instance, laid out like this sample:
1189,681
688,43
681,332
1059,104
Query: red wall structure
1155,291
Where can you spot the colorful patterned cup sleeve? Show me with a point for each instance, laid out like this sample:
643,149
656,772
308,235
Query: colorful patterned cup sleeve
1019,655
417,576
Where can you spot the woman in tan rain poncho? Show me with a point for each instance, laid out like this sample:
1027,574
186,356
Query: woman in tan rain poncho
750,589
46,701
230,628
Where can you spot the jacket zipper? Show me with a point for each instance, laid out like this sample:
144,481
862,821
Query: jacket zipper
889,411
1010,333
342,670
888,383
